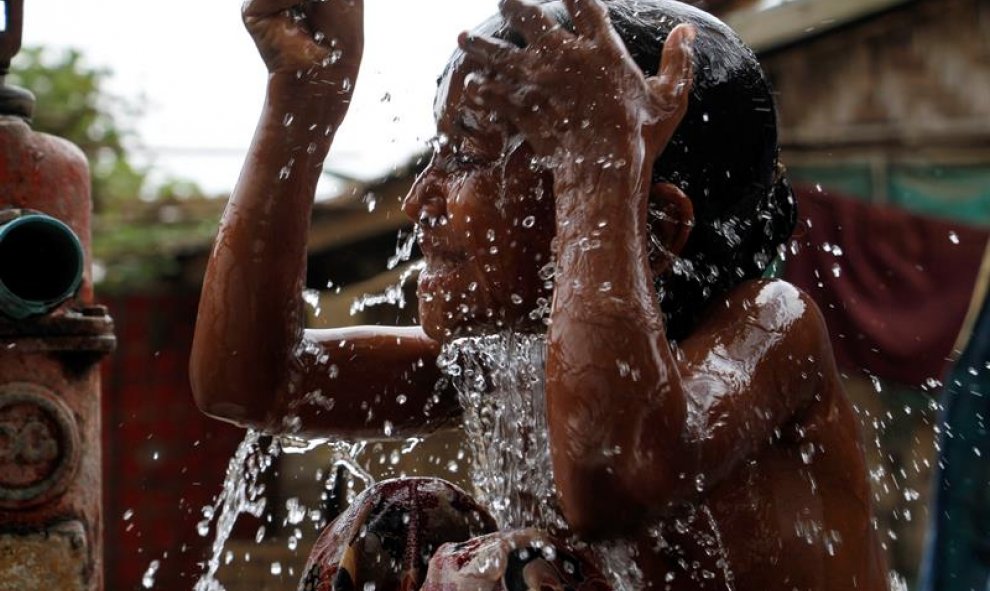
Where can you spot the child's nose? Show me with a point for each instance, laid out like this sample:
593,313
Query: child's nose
425,199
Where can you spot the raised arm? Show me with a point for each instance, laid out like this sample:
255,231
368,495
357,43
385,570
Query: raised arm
252,362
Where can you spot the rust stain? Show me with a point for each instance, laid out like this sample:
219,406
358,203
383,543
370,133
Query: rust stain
54,559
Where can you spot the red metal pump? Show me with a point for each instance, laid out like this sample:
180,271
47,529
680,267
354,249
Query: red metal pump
52,338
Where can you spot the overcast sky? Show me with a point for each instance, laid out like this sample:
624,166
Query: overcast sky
203,81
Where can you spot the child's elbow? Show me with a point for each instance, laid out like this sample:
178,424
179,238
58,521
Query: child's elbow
220,397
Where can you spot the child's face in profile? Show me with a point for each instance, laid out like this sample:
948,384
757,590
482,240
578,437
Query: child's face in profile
486,211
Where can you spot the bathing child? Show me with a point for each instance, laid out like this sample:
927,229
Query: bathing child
694,421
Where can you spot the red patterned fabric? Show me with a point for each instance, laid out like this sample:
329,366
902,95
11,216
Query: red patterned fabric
897,290
512,561
388,534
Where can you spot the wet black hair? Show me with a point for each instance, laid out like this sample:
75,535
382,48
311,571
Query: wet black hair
724,154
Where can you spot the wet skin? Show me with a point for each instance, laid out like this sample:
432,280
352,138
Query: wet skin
743,424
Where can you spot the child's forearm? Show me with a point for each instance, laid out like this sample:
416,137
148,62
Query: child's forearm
250,318
601,236
615,401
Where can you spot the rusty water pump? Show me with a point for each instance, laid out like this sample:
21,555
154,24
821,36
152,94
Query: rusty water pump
52,338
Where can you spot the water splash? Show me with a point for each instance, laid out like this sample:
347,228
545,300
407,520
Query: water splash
500,380
148,580
312,299
896,582
242,493
403,250
348,456
393,295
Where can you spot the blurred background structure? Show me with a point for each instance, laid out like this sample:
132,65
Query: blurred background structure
885,113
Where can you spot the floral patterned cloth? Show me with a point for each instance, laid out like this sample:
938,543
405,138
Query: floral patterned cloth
520,560
424,533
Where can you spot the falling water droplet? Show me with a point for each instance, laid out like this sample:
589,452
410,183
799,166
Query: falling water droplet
148,580
877,385
312,299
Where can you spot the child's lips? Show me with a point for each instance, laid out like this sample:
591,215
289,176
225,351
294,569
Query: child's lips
437,246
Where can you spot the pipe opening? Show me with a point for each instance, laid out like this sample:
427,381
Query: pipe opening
41,262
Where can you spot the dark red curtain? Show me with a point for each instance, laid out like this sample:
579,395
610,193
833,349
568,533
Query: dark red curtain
894,287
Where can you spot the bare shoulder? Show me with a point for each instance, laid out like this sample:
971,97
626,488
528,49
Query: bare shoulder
768,305
779,304
768,326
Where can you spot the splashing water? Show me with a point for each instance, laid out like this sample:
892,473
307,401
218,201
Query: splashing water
896,582
148,580
242,493
403,250
500,381
393,294
349,456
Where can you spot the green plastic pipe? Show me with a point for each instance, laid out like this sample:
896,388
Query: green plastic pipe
41,265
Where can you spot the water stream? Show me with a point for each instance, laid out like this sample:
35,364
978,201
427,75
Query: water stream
242,493
500,380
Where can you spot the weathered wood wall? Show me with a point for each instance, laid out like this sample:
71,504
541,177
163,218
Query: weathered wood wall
918,76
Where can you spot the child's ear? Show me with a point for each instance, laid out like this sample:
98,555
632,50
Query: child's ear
674,226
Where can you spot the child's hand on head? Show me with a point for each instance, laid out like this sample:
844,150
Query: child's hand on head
315,43
581,94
